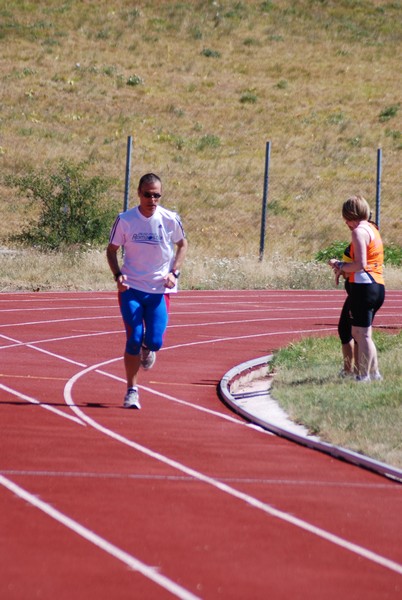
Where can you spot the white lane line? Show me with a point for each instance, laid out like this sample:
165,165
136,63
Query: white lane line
197,407
47,321
250,336
60,308
126,558
254,480
224,416
16,343
273,512
210,340
49,407
214,312
118,316
72,296
52,354
252,311
285,302
209,411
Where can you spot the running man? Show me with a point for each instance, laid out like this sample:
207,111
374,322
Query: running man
154,250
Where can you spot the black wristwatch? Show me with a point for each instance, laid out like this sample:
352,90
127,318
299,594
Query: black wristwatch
176,273
117,275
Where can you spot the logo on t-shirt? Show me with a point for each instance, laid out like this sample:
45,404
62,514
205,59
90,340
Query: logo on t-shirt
147,238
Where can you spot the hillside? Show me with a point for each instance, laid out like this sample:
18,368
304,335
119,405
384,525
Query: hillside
201,87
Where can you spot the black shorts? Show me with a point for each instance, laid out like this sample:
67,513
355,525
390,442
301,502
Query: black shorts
345,322
364,301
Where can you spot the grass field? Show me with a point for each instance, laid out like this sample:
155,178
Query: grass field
365,418
201,86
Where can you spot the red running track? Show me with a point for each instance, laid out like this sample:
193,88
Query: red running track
183,498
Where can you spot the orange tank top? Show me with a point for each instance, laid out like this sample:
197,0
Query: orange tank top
373,273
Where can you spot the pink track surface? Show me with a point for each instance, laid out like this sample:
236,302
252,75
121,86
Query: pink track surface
183,498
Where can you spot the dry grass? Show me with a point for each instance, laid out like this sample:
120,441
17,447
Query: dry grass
216,80
32,270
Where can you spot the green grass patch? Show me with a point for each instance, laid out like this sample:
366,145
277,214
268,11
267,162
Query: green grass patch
364,418
392,253
389,112
209,53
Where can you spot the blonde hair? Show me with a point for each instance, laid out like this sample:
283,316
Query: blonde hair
356,208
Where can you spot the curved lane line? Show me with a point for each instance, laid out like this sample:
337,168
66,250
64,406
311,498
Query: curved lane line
270,510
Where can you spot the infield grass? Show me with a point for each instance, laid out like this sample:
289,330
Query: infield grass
365,418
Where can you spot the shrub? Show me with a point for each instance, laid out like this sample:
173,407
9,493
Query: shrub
210,53
334,250
282,84
248,97
72,209
388,113
392,253
134,80
208,141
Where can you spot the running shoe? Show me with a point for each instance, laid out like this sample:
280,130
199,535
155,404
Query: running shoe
376,376
346,374
148,358
131,399
363,378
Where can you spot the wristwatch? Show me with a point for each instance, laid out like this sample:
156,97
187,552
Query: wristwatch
176,273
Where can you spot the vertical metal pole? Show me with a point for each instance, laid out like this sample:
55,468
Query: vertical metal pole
265,199
127,181
128,170
378,188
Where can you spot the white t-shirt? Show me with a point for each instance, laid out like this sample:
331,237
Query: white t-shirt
148,247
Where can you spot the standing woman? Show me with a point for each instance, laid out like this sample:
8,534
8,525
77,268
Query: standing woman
366,283
349,348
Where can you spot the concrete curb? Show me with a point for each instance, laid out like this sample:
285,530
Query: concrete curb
238,391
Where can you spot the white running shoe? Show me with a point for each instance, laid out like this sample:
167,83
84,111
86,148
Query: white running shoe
376,376
363,378
346,374
148,358
131,399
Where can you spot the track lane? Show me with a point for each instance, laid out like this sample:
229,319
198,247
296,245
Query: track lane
230,450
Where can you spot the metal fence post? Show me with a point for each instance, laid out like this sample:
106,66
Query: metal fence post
127,180
265,199
128,170
378,188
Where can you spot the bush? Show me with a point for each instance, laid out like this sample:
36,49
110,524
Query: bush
211,53
388,113
335,250
135,80
72,211
248,97
392,253
208,141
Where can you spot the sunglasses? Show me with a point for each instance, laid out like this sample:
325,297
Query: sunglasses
151,195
